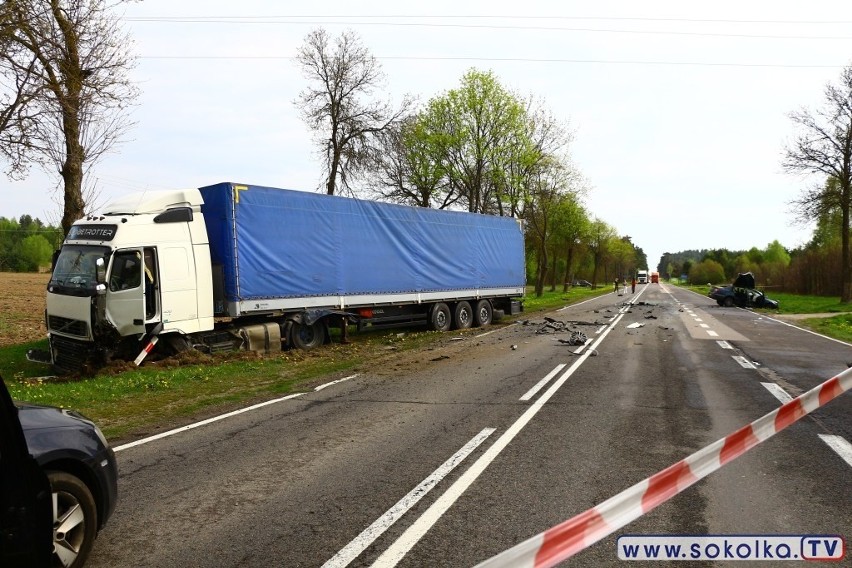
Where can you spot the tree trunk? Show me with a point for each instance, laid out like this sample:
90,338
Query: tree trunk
542,267
569,257
553,273
846,262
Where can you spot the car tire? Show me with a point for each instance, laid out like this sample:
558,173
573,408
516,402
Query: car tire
75,519
728,302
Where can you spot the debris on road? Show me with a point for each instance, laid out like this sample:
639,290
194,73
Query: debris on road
635,325
577,338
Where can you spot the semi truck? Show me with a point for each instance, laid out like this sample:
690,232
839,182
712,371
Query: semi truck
642,276
242,267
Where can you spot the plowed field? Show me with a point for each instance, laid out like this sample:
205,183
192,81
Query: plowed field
22,298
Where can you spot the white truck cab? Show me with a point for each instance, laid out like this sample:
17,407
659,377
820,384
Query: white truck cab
145,261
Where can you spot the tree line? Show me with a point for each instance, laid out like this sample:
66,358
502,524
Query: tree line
27,244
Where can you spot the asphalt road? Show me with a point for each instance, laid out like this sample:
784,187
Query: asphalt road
438,461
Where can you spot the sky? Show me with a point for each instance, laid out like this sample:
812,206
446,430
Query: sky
679,111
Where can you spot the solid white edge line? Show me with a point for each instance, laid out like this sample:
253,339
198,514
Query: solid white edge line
600,329
539,385
326,385
778,392
360,543
495,330
162,435
839,445
393,554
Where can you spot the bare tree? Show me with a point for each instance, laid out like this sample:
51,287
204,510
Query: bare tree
337,105
823,145
74,60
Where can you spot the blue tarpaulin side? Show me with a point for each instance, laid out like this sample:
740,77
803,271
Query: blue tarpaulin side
278,243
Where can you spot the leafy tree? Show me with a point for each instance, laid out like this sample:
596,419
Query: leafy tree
476,129
571,229
35,251
336,105
706,271
823,146
65,91
601,236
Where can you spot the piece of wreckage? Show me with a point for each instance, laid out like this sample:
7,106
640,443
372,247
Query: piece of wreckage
575,337
742,293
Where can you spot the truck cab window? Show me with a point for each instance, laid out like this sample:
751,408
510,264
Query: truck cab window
126,271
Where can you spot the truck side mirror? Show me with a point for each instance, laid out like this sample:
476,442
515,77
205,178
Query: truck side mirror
100,270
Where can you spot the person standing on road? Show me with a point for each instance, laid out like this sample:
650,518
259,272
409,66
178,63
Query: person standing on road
633,286
615,288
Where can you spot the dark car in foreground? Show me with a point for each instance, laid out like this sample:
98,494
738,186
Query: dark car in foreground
81,469
742,294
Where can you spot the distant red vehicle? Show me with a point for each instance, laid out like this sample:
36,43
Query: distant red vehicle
655,278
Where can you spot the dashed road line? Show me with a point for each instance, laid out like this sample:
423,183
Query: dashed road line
725,345
744,363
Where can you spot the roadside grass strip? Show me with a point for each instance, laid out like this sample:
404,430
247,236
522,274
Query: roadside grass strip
578,533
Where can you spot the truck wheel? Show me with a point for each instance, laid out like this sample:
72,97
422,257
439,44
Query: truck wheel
307,336
728,302
483,314
462,315
75,520
440,318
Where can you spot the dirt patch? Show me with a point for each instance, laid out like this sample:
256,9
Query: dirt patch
22,304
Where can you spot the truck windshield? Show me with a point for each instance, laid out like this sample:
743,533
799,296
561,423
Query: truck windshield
75,271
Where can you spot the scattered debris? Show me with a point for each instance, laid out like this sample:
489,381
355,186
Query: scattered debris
644,303
457,339
635,325
514,347
440,358
577,338
650,316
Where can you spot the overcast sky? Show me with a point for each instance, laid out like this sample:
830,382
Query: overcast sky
679,110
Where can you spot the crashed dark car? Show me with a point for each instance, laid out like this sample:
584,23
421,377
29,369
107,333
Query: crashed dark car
742,294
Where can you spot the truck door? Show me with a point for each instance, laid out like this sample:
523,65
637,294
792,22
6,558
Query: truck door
125,301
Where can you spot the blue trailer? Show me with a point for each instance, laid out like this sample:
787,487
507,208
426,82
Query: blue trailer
251,267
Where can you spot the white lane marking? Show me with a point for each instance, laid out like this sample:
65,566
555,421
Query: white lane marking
839,445
744,363
725,345
778,392
600,329
580,349
704,325
421,526
162,435
351,551
326,385
539,385
712,333
495,330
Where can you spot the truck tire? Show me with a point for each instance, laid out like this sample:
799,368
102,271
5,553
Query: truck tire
75,519
483,314
440,318
462,315
307,336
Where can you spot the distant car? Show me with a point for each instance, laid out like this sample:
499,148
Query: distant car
83,476
742,294
585,283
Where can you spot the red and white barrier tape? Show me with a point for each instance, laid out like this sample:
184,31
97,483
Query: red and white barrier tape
570,537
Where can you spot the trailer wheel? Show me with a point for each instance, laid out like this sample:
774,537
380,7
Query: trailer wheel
307,336
483,314
440,318
462,315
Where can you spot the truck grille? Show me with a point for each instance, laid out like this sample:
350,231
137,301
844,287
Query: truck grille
67,326
68,354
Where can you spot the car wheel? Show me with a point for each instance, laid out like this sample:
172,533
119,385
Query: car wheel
728,302
305,336
440,318
483,314
719,302
75,519
462,315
